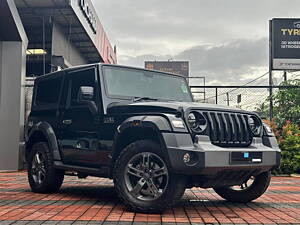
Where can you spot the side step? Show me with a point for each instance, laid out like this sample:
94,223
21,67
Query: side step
88,171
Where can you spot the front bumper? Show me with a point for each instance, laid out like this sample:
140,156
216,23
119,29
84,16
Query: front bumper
209,159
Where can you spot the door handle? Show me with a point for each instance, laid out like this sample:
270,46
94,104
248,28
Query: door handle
67,122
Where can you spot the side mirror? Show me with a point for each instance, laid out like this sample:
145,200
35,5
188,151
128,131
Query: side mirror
86,97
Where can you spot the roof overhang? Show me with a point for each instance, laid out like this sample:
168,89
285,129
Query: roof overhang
78,20
11,29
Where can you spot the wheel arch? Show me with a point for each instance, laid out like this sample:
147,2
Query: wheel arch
43,132
140,128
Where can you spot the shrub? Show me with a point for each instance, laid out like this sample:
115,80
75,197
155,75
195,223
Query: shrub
289,143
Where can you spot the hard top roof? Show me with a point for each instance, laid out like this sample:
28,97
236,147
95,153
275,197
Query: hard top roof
49,75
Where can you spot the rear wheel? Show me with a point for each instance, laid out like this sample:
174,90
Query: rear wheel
250,190
143,180
42,176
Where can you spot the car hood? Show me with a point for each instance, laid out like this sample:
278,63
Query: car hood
166,107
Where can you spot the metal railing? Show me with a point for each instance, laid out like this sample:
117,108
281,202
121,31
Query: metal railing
250,98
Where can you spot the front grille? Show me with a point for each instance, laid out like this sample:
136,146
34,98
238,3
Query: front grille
229,129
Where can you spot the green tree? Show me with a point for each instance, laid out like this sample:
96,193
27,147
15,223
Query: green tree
287,103
285,124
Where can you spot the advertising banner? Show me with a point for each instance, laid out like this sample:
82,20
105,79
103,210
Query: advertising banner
175,67
285,44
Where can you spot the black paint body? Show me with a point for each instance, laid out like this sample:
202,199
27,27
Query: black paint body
89,143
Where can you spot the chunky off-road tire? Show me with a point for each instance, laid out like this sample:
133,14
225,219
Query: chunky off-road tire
255,190
42,176
173,189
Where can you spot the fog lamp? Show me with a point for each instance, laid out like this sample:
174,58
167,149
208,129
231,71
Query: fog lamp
186,158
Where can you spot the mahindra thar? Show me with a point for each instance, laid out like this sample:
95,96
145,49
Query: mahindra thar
143,129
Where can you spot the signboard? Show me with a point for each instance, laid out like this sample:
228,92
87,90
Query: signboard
88,17
175,67
89,13
285,44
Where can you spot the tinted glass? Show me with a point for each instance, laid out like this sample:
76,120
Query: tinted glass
124,82
48,91
81,78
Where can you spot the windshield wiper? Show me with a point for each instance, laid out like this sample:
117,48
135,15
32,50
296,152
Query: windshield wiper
137,99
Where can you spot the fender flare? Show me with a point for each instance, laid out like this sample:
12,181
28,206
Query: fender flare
157,123
48,132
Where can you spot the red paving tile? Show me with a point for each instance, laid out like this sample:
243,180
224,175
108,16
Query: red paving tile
94,200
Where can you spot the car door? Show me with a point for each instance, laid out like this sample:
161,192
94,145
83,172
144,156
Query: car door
81,128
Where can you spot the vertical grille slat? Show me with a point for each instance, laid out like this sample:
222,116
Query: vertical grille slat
221,128
248,127
228,129
242,129
246,133
233,130
238,127
213,130
217,126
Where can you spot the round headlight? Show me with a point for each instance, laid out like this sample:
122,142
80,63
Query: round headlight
255,125
197,122
192,121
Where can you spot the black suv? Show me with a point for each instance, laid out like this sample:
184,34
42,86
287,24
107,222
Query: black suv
142,129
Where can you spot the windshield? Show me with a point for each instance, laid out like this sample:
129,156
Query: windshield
133,83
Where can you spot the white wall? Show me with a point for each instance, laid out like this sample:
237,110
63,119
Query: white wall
61,46
12,78
0,68
10,110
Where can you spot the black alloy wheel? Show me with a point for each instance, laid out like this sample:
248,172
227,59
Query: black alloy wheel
38,168
146,176
143,179
42,176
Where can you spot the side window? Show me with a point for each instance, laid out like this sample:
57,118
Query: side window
48,91
79,79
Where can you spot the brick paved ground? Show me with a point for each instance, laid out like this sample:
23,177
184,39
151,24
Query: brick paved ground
93,201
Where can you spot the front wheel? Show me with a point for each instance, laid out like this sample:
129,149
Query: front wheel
248,191
143,180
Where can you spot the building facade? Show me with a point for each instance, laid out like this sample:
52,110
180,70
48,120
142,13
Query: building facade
63,33
38,37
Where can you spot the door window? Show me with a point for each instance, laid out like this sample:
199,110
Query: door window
81,78
48,91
